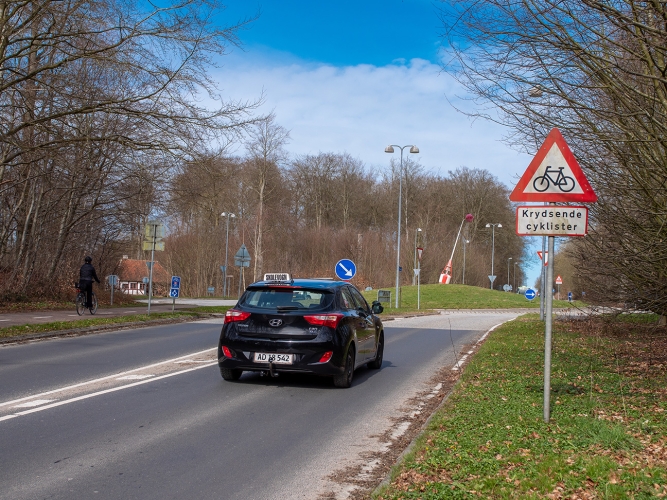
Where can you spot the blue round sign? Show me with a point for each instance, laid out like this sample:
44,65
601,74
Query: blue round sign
345,269
530,294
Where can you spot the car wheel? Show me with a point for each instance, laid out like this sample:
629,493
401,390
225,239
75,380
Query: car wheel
344,380
377,362
229,374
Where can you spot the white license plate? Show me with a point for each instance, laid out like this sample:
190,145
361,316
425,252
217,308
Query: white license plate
275,358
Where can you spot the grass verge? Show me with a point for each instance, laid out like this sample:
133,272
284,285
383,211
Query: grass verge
606,438
459,297
14,331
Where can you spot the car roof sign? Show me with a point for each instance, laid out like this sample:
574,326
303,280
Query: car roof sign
277,277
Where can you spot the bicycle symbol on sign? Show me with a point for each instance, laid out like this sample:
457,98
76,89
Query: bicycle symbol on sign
562,181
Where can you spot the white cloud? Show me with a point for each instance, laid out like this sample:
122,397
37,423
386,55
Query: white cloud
360,109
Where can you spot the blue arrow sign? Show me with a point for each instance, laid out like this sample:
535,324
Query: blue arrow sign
345,269
173,292
530,294
176,282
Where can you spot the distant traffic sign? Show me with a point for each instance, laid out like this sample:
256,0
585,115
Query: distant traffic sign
176,282
545,258
554,175
174,292
559,280
530,294
492,278
345,269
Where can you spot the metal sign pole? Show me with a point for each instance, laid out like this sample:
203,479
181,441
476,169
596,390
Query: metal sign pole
419,272
542,280
547,333
150,275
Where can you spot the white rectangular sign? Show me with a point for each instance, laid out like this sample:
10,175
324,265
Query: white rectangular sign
543,220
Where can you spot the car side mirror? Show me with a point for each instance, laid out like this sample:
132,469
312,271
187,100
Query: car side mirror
377,307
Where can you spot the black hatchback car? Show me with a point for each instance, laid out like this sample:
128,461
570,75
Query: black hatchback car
317,326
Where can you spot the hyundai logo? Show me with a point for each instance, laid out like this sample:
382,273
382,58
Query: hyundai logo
275,322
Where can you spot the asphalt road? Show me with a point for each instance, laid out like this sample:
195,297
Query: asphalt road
145,414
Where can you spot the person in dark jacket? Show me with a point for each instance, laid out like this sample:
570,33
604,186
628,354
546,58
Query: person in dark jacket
86,276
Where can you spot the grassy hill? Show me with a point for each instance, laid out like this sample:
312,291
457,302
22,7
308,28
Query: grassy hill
458,297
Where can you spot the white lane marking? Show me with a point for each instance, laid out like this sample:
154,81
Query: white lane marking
115,375
73,315
136,377
99,393
36,402
41,317
4,320
104,313
187,361
130,311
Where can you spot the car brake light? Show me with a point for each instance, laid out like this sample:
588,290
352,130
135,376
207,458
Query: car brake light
233,315
330,320
326,356
227,352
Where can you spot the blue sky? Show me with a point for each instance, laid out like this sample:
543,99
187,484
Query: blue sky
355,76
342,33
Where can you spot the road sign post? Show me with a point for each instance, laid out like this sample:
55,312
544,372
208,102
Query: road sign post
174,290
242,260
553,175
153,234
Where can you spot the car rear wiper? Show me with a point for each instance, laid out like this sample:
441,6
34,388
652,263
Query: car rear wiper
287,308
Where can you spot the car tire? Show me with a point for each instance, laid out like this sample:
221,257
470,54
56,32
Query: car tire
377,362
344,380
230,374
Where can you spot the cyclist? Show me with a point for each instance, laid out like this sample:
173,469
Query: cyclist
86,275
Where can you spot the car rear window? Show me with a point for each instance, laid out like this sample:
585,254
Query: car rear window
288,299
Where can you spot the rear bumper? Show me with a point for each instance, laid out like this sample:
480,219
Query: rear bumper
306,359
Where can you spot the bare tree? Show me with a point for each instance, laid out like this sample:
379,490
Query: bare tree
93,96
597,70
266,152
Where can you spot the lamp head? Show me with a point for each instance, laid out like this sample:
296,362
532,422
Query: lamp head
414,149
389,149
500,225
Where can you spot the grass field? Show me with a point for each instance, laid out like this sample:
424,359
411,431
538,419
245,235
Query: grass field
458,297
607,433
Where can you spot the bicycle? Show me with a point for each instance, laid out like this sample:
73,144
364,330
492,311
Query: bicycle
562,181
81,300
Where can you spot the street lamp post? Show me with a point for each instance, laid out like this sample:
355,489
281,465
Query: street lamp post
508,271
514,289
224,275
465,242
390,149
493,247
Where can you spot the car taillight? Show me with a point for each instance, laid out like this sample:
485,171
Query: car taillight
330,320
227,352
326,356
233,315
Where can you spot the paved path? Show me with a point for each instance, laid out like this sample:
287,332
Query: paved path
157,305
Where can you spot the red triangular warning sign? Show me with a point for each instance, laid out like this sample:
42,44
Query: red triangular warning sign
554,175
